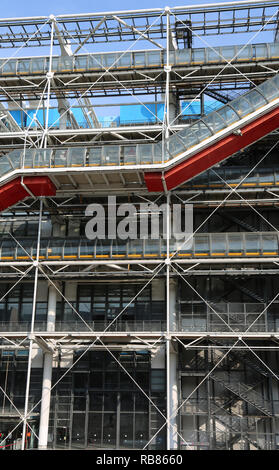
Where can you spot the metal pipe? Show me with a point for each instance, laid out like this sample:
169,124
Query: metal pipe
36,263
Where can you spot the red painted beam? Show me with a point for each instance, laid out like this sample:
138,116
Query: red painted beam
40,185
14,191
214,154
11,193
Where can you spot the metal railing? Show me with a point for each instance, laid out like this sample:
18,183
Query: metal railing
139,59
210,245
146,154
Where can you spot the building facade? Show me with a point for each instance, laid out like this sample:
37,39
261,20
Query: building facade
116,333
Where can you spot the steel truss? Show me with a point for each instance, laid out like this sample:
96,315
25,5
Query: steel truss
158,27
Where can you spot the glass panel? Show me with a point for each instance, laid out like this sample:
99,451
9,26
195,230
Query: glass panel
214,55
157,153
201,244
130,155
260,51
126,430
252,242
242,105
215,122
15,158
235,242
110,60
54,249
145,153
94,430
266,176
77,156
43,248
125,60
269,89
270,244
103,248
60,158
152,247
198,56
175,145
81,63
109,430
228,114
183,56
256,99
233,175
55,64
28,157
38,65
71,248
24,249
95,156
66,64
2,61
135,248
9,68
228,52
218,243
244,53
7,249
42,158
201,130
119,248
78,436
274,50
192,138
275,80
86,249
250,180
139,59
141,430
5,166
111,155
154,58
95,61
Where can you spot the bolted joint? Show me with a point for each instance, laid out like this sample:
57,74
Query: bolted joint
49,75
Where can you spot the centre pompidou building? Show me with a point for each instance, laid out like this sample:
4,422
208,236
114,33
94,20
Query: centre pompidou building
140,342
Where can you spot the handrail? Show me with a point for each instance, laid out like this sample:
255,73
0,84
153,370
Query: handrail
211,245
139,59
203,132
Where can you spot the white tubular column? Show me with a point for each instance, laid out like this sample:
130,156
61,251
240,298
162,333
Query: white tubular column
173,364
47,373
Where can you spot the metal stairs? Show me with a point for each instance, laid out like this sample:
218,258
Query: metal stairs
246,392
239,427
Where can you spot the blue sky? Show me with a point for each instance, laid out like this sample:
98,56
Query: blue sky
16,8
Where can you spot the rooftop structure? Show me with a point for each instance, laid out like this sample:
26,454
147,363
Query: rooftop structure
122,327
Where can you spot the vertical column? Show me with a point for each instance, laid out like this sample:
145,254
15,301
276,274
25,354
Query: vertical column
47,373
173,366
31,335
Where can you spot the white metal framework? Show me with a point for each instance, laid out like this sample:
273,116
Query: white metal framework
207,339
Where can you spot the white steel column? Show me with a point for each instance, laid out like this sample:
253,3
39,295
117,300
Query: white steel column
47,374
31,335
173,363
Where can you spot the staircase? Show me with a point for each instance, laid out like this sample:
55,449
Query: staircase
246,392
238,426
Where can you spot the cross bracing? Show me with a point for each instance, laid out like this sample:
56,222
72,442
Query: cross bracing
156,315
